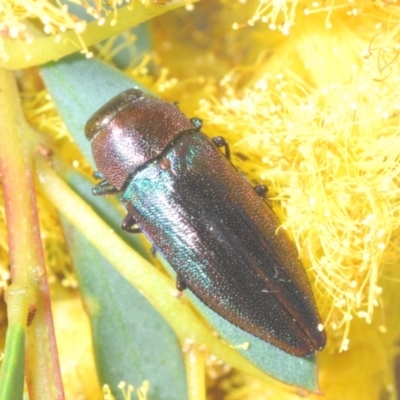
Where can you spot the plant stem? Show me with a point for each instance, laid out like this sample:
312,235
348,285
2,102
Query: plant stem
46,48
28,294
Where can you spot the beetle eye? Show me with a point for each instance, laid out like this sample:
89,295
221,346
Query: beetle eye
106,113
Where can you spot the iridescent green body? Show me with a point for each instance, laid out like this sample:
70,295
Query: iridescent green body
218,234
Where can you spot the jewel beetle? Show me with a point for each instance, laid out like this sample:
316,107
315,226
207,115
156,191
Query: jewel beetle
204,217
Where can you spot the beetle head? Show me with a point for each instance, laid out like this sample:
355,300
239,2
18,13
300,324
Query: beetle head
130,130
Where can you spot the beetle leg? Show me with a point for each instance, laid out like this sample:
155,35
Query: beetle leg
261,190
128,223
180,283
219,141
153,251
97,175
197,122
104,188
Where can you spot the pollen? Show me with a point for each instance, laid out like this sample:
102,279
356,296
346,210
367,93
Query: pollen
327,155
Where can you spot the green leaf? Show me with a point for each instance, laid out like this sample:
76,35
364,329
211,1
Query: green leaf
106,210
92,75
79,87
12,368
132,342
139,39
297,371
